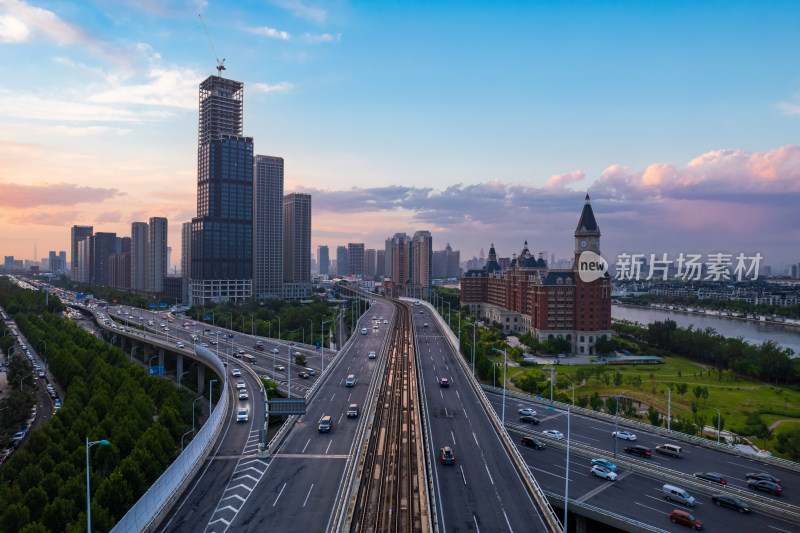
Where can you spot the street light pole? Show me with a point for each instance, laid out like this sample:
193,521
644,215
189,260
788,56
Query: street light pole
448,314
669,401
181,377
573,392
88,495
210,394
311,334
323,345
566,483
190,431
504,384
474,329
718,424
21,389
45,353
616,424
252,325
289,370
194,402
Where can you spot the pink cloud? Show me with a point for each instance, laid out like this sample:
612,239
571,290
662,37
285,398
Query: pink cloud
23,196
560,180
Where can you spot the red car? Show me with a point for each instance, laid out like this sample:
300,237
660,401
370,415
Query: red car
685,518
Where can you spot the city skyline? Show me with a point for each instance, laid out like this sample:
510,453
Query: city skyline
373,109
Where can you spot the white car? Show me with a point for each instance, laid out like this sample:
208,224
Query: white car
204,345
553,433
279,368
604,473
372,355
274,350
242,394
236,372
240,351
241,416
240,384
180,345
624,435
527,412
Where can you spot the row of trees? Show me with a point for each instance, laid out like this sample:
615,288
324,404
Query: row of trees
766,361
736,306
43,486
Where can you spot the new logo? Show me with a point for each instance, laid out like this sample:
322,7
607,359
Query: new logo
591,266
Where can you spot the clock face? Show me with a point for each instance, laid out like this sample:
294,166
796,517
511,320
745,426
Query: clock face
583,244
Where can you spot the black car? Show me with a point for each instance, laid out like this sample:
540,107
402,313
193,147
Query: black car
763,476
730,501
642,451
533,443
304,375
766,486
446,456
711,476
529,419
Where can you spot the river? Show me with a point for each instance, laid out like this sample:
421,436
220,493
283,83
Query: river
752,332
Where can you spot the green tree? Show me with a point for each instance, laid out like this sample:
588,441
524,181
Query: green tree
617,379
16,517
300,359
582,401
788,443
681,388
764,433
654,416
35,500
596,402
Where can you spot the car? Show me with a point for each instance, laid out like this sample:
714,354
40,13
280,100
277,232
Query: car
363,331
236,372
180,345
279,368
443,382
385,321
729,501
242,394
603,472
204,345
766,486
296,353
529,419
241,415
240,384
627,435
41,373
425,325
532,442
605,463
57,403
240,351
372,355
311,372
711,476
421,312
352,410
163,325
764,476
325,424
685,518
642,451
446,455
554,433
527,411
214,342
304,375
274,350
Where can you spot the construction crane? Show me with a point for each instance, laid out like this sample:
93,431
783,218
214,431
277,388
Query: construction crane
220,64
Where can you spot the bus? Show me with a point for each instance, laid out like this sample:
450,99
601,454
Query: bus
249,358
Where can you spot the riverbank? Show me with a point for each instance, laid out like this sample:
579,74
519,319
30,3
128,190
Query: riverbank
717,313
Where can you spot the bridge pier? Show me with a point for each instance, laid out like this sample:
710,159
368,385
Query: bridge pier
580,523
123,342
179,366
201,378
161,357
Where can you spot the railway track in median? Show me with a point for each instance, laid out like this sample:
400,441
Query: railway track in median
389,497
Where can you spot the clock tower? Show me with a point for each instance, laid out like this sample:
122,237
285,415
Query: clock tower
587,234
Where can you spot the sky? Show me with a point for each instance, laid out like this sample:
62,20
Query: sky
482,122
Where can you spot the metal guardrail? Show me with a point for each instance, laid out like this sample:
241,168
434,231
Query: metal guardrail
141,516
628,523
342,514
648,428
776,508
547,513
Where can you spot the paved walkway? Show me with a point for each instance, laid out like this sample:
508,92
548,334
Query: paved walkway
779,422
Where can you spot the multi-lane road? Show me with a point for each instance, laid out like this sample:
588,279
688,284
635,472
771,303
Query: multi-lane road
638,496
482,490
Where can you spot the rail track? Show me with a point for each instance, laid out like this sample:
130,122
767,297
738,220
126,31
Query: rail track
389,497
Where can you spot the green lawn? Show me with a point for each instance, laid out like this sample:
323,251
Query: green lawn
735,398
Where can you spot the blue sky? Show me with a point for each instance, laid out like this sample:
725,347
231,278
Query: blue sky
480,122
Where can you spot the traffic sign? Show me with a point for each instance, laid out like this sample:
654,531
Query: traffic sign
156,370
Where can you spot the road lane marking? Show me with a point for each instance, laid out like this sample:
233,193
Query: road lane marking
779,529
445,412
454,437
488,473
651,508
279,495
475,520
306,446
507,522
462,474
457,394
440,392
476,438
307,495
465,413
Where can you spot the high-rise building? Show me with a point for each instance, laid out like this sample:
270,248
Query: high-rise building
323,258
104,245
62,259
222,231
186,249
369,263
268,227
296,244
119,271
169,258
78,234
125,245
355,259
156,255
84,262
399,249
341,261
421,264
58,263
139,243
380,262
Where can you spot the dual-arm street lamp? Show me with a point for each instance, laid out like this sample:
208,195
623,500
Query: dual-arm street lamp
88,496
504,384
718,424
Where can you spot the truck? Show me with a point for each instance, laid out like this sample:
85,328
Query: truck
249,358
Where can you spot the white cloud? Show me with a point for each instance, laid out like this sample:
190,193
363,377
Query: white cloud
13,30
296,8
270,32
278,87
322,38
789,108
27,106
168,87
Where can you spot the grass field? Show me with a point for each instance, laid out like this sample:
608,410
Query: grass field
735,398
